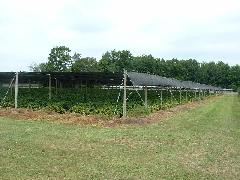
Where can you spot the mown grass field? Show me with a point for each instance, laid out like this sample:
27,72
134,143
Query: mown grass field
201,143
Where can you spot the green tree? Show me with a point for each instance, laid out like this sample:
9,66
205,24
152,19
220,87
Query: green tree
174,69
145,64
86,64
223,74
235,77
208,73
42,67
190,70
217,74
116,61
59,60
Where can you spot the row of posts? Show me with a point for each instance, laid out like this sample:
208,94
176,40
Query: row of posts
145,93
124,93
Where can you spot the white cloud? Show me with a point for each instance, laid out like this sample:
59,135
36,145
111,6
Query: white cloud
206,30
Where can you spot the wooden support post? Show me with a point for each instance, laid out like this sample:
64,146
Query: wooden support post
171,96
29,85
195,94
16,91
125,94
190,96
161,98
49,87
180,95
145,92
186,96
11,90
199,95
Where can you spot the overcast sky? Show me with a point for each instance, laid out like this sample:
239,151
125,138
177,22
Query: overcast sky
207,30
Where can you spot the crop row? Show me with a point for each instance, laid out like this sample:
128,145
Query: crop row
94,101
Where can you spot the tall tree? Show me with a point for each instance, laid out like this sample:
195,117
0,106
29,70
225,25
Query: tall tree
190,70
145,64
235,77
116,61
218,74
86,64
59,60
42,67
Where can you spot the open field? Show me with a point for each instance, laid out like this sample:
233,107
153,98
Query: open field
201,143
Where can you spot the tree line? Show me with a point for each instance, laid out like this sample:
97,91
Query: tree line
212,73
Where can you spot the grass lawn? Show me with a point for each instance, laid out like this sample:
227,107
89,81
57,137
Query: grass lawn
202,143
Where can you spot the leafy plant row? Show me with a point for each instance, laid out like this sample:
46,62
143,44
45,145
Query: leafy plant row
95,101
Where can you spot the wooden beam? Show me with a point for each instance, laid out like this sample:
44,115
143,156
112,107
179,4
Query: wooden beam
186,95
199,95
146,99
161,98
125,94
180,95
49,87
16,91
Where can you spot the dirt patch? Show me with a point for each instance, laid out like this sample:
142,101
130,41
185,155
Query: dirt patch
29,114
72,118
